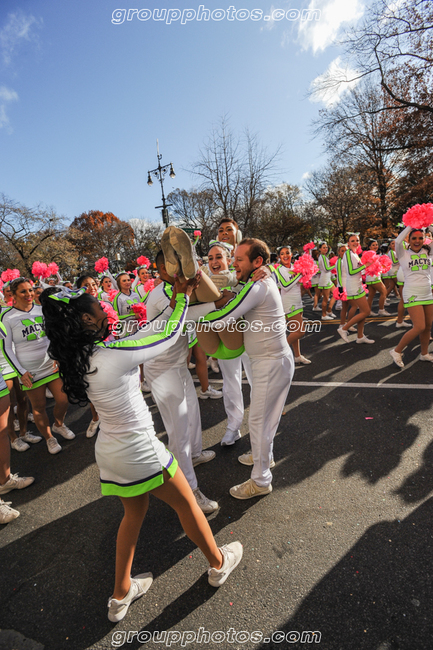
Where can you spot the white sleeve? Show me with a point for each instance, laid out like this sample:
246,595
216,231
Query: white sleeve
113,281
8,351
399,246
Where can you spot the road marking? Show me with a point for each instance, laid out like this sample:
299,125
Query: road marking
342,384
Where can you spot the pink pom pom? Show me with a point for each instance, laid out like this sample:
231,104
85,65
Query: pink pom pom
373,263
197,233
1,284
140,312
112,294
135,272
149,285
101,265
52,268
336,293
143,261
419,216
364,286
368,257
40,270
385,263
306,284
333,262
112,315
358,250
306,266
309,247
10,274
427,241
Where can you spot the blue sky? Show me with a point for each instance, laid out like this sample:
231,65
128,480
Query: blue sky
83,99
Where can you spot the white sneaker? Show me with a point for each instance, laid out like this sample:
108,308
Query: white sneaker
387,302
7,514
317,309
16,482
48,394
398,358
247,459
16,425
383,312
230,437
191,366
210,392
145,387
213,363
364,339
327,317
53,445
344,335
19,445
29,437
206,505
338,305
302,359
332,315
232,555
92,428
64,431
374,313
204,457
139,585
30,417
352,329
426,357
403,324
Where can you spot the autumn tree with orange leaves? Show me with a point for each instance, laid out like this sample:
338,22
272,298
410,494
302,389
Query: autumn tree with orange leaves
97,234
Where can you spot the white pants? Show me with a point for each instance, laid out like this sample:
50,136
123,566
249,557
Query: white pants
271,383
175,395
231,370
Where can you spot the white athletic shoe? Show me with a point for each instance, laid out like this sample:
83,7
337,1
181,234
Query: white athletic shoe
210,392
352,329
232,555
53,445
29,437
19,445
374,313
205,456
139,585
16,482
331,314
206,505
403,324
247,459
398,358
344,335
426,357
364,339
92,428
249,489
63,431
145,387
383,312
387,302
213,364
230,438
191,366
317,309
302,359
327,317
7,514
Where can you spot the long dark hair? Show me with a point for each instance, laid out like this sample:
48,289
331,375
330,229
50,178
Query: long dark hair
71,345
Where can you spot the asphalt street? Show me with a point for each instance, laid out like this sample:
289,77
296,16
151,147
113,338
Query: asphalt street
342,547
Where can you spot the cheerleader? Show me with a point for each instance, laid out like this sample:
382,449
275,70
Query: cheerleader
105,287
352,281
132,461
416,263
325,283
375,284
124,300
390,278
315,283
401,309
30,360
290,287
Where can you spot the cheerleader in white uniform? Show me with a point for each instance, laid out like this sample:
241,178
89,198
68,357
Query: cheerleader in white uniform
25,348
375,284
132,461
416,262
289,284
123,302
325,282
390,278
351,279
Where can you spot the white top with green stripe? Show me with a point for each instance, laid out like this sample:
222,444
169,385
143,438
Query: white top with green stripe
351,273
259,303
416,268
26,345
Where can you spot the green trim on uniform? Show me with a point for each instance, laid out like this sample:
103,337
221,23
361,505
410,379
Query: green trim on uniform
358,295
224,353
415,303
193,342
10,375
294,313
325,260
218,314
287,283
339,271
109,489
350,268
373,282
4,392
328,286
41,382
390,277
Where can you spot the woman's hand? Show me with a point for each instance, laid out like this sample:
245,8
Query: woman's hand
27,379
262,273
225,297
181,285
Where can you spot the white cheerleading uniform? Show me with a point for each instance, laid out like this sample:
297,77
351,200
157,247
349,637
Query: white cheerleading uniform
417,272
6,370
130,457
325,269
272,364
392,273
351,275
173,388
26,346
290,287
142,294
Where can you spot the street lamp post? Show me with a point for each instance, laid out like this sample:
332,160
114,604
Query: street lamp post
159,173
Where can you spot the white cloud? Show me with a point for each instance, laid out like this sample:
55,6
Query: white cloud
330,93
306,176
6,96
320,34
18,28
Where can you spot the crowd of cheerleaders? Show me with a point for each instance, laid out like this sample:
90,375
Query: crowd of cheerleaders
342,282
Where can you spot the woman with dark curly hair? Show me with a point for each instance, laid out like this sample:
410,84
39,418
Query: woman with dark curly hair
131,460
30,360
